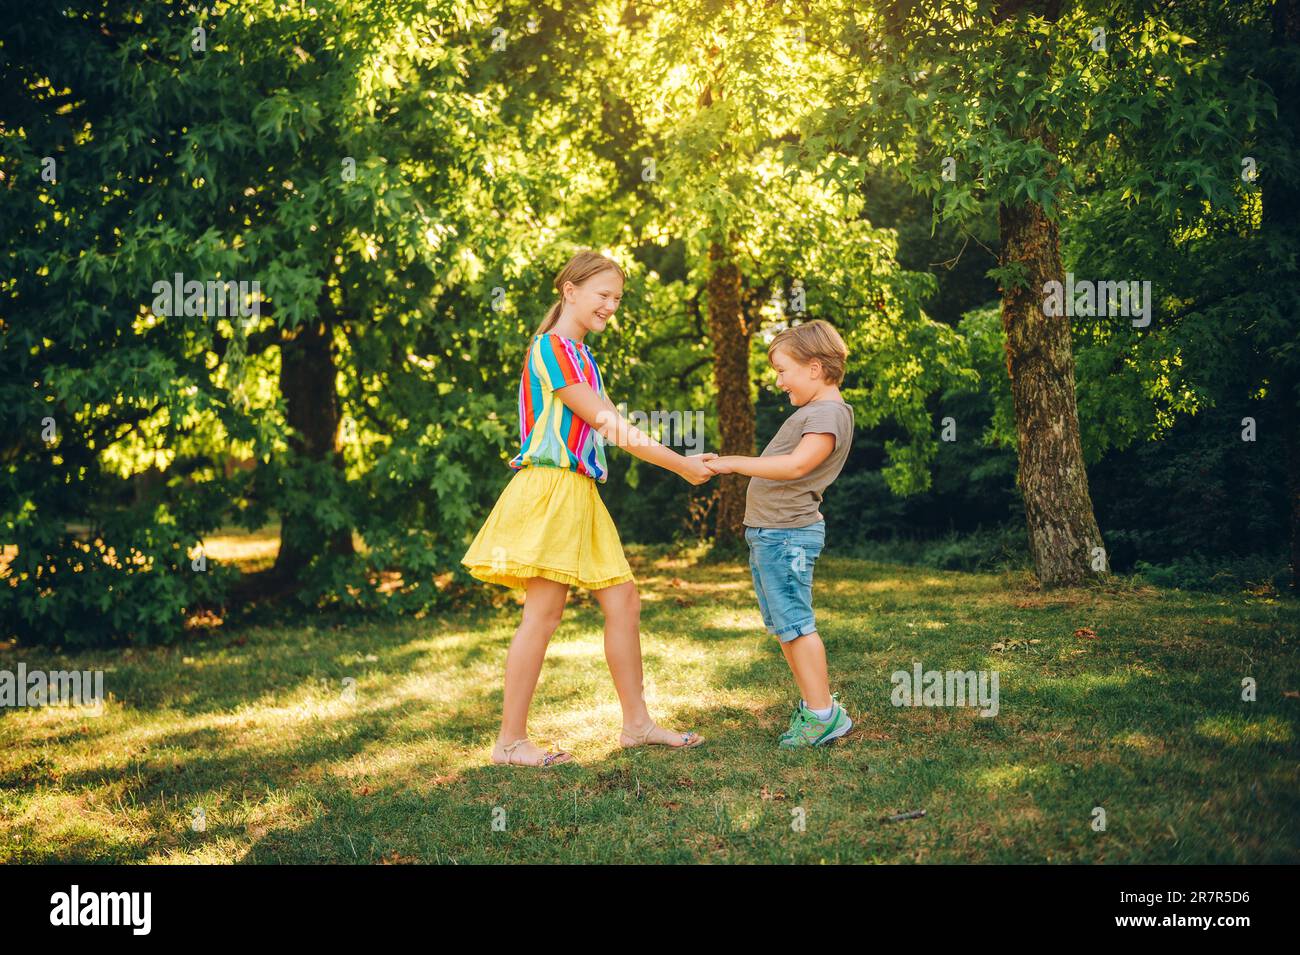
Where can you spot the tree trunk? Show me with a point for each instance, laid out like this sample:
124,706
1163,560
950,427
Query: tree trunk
730,332
1058,508
1040,362
307,373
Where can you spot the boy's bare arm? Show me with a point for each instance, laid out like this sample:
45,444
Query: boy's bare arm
813,448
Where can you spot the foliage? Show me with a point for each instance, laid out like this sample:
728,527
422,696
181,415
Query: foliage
410,175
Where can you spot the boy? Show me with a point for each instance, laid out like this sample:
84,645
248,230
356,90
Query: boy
784,528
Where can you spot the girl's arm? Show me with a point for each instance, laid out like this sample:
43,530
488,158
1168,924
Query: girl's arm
600,413
813,448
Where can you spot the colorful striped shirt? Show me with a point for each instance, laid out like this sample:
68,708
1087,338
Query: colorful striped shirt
550,435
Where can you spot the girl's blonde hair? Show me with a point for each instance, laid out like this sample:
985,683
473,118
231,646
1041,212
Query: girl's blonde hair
577,270
816,339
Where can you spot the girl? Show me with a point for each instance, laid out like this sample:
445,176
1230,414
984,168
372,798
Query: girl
550,530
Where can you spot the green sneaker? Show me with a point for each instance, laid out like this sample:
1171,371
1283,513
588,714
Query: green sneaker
794,721
807,730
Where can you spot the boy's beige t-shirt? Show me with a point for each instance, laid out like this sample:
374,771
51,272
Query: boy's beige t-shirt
797,503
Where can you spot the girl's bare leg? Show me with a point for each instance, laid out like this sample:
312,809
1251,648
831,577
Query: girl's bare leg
806,656
621,605
543,607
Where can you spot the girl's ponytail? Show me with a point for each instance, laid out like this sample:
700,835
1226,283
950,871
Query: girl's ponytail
577,270
552,316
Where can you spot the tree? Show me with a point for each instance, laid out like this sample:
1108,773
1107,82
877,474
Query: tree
328,153
765,241
1007,104
1223,330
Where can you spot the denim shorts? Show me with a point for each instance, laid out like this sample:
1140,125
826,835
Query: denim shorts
781,561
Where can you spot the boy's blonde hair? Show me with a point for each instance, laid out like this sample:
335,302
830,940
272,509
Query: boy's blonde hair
577,270
813,340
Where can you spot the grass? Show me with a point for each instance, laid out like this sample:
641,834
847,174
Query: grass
1144,720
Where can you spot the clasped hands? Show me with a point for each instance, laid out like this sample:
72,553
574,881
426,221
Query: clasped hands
700,467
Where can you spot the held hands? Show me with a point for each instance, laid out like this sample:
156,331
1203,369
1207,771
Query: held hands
700,467
695,470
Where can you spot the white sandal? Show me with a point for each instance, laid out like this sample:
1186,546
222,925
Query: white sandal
642,739
549,758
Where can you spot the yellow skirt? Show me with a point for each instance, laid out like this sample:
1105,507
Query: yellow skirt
549,522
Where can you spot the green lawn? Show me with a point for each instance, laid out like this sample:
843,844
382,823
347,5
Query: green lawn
1145,720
